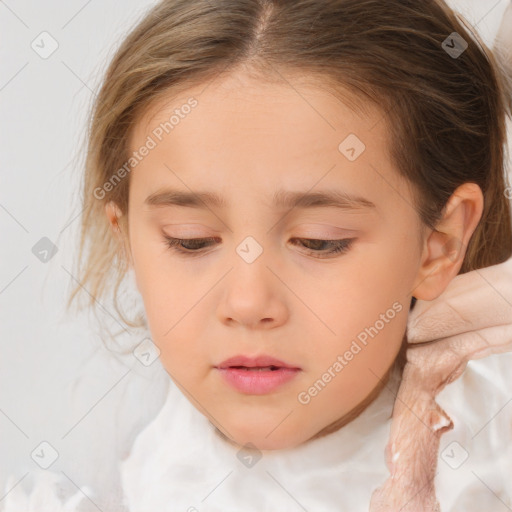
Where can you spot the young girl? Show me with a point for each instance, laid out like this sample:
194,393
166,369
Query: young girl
313,201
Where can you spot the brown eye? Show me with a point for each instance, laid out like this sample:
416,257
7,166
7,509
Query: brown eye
315,247
327,247
188,245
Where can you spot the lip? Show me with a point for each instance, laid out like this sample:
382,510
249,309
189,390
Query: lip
256,382
257,361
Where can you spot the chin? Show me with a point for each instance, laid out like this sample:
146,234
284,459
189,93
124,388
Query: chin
260,438
260,441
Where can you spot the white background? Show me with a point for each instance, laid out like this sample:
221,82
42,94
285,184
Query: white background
56,382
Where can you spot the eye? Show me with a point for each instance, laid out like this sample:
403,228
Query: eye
194,246
334,246
188,246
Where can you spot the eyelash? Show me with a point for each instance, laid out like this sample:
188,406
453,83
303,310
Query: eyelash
340,246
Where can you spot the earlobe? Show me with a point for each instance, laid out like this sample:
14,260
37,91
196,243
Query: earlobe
442,262
445,247
113,214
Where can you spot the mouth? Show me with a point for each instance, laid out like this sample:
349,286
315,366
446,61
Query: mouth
261,362
256,368
256,376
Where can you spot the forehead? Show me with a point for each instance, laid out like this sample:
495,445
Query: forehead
244,132
229,101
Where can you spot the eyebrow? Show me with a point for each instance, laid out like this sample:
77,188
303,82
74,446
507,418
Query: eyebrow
281,199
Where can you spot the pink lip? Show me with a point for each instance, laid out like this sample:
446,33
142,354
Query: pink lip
256,382
252,362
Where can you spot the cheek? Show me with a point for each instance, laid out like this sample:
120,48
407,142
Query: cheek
172,302
366,286
158,286
385,270
153,264
362,353
366,308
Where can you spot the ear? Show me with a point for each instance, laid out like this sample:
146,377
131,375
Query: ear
445,247
114,213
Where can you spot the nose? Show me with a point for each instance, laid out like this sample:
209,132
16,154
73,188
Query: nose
253,297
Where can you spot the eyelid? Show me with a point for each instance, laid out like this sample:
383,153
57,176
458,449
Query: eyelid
324,231
189,231
338,246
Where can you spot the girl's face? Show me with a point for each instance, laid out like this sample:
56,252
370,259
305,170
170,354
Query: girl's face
270,178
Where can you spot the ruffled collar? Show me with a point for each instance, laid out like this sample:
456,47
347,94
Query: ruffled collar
181,460
470,320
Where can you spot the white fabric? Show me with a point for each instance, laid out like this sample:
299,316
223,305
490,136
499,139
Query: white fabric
179,463
179,460
479,403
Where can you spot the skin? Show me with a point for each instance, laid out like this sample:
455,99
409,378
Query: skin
245,140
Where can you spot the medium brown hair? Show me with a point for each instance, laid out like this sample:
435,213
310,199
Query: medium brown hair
445,114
